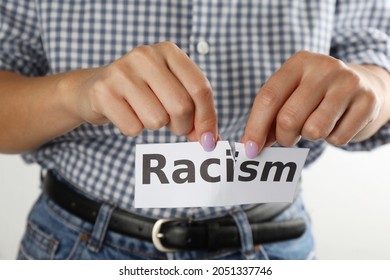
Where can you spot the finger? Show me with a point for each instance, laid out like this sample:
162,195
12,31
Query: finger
119,112
145,104
268,102
141,101
176,102
251,148
198,87
356,117
297,109
193,137
325,117
271,138
168,89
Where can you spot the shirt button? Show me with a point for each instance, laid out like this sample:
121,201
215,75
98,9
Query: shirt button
203,47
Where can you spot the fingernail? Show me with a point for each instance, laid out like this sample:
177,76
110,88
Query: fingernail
207,141
251,149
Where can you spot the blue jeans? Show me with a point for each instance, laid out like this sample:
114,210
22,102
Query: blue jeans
53,233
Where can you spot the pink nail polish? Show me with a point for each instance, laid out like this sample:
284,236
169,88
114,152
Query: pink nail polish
251,149
207,141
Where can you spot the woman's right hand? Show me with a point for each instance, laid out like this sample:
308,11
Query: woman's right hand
148,88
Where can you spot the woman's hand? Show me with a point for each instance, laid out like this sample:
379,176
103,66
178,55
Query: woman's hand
149,88
318,97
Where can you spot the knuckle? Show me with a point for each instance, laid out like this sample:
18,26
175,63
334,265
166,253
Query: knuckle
287,119
329,63
287,142
269,96
338,140
370,99
313,132
157,122
166,49
297,61
183,109
99,93
142,53
302,55
182,131
350,82
112,70
351,78
132,130
201,91
167,45
333,65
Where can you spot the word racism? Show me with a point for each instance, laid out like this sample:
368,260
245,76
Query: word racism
184,175
185,170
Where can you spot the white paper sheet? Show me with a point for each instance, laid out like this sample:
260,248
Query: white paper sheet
184,175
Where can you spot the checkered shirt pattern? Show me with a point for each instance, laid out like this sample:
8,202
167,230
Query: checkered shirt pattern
248,40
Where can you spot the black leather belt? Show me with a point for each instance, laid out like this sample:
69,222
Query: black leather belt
179,234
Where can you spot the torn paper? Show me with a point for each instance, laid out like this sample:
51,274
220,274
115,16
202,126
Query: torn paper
184,175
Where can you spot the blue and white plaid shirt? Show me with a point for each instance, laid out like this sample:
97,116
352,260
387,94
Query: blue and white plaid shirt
238,44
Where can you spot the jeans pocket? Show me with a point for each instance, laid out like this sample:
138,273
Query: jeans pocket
37,245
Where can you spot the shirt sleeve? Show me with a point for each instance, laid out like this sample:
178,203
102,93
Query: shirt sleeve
361,35
21,48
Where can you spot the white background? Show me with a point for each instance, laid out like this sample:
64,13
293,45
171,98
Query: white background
347,195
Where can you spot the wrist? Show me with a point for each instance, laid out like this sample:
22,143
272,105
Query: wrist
72,94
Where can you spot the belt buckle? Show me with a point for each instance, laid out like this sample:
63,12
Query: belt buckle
157,235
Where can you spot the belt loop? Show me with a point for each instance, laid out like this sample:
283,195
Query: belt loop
245,231
100,228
